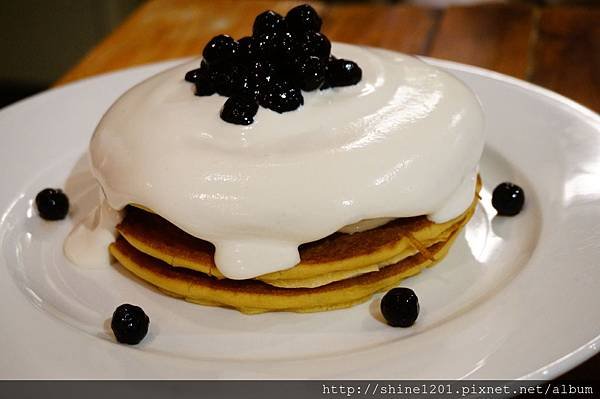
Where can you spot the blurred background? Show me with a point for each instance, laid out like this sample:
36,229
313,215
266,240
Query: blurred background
41,40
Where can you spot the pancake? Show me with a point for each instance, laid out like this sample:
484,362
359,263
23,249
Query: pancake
150,247
333,258
254,296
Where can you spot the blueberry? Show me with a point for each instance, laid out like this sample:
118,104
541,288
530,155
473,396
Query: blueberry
278,47
204,85
342,72
129,324
232,79
222,76
508,199
246,49
244,84
400,307
264,45
193,75
264,73
271,68
220,49
52,204
216,71
284,47
303,18
200,77
281,96
239,110
315,44
309,73
268,22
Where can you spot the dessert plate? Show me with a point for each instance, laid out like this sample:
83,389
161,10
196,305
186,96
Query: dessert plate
515,298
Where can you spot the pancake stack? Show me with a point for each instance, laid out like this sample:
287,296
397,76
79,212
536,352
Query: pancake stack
337,271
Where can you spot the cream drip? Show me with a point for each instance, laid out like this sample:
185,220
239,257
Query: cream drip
87,244
405,141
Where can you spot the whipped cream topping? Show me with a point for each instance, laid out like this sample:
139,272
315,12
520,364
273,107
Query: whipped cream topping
87,244
405,141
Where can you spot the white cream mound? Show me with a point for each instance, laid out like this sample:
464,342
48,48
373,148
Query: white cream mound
405,141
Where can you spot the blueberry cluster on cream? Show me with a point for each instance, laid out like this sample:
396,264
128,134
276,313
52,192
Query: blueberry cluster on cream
283,57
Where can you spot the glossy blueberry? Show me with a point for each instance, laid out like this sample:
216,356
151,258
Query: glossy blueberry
201,79
220,49
400,307
278,47
264,45
232,79
508,199
268,22
239,110
204,85
244,84
342,72
285,47
246,49
52,204
281,96
222,76
314,44
264,73
282,57
303,18
192,76
309,73
129,324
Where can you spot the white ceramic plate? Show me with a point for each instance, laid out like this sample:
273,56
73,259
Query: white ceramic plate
516,298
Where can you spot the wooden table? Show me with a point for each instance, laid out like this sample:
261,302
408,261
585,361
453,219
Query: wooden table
555,47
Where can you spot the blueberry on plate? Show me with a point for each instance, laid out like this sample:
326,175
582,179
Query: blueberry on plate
52,204
508,199
239,110
400,307
129,324
342,72
303,18
281,96
268,22
220,49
